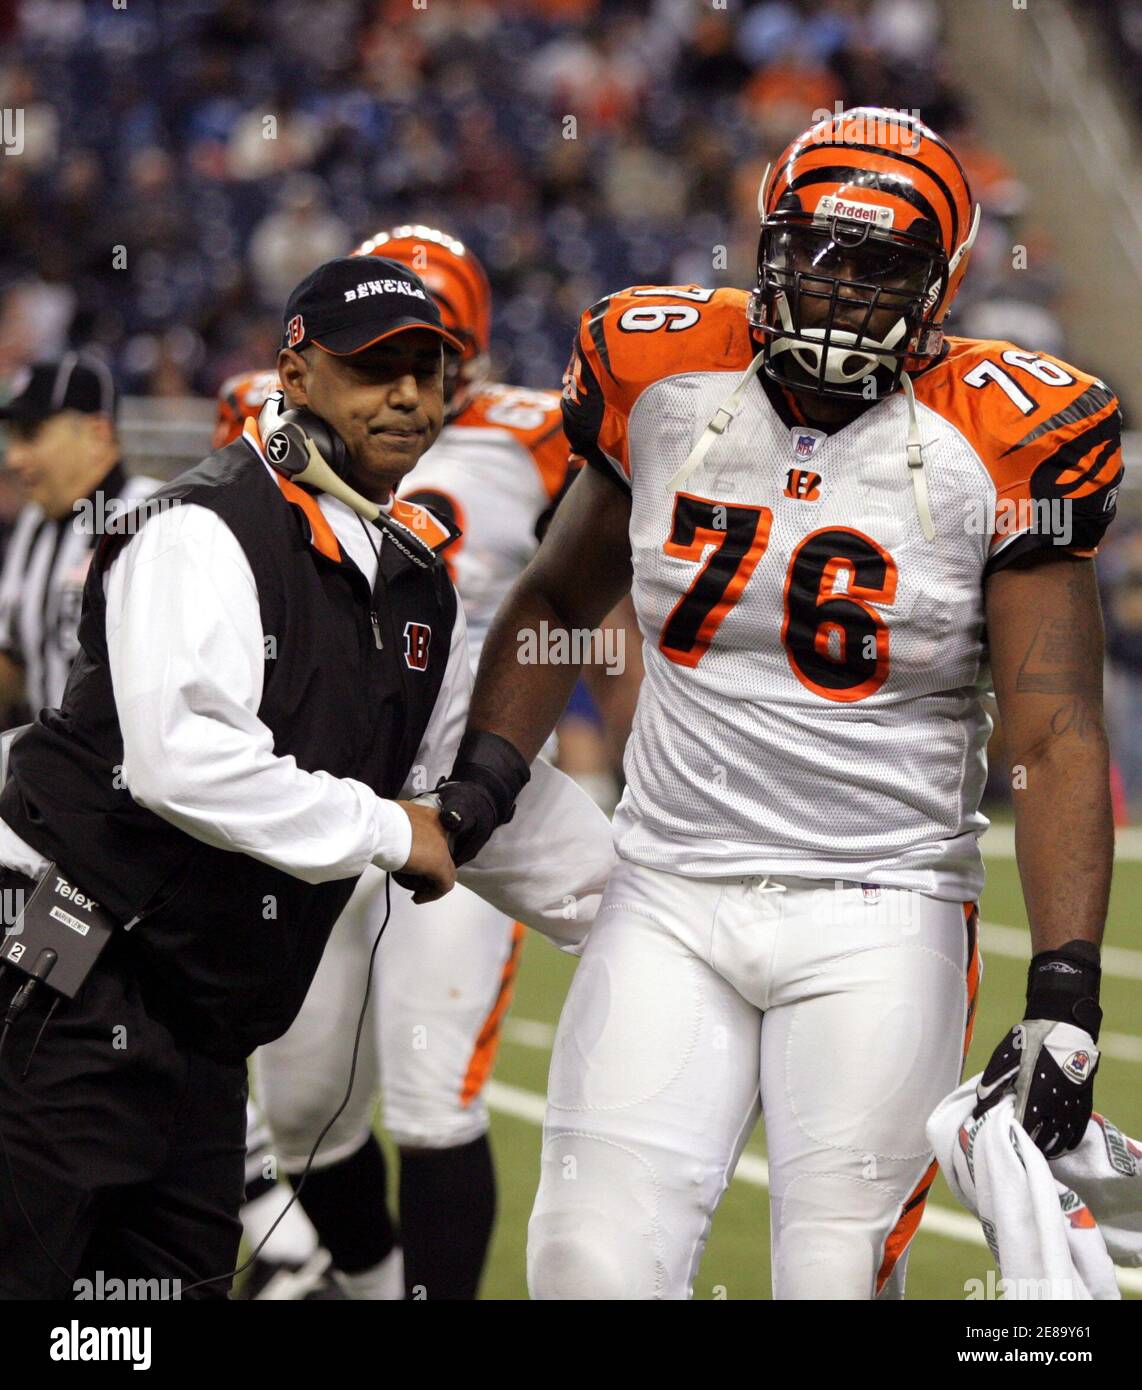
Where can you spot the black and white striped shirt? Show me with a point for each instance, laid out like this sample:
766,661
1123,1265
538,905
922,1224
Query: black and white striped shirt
41,584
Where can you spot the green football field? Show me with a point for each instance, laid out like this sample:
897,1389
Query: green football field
949,1248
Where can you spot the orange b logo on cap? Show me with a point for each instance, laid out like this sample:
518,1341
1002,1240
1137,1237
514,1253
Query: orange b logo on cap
295,330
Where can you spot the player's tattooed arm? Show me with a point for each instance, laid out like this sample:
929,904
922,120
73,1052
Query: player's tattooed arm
1045,634
579,573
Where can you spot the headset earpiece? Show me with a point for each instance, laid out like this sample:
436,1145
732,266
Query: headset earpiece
302,447
327,441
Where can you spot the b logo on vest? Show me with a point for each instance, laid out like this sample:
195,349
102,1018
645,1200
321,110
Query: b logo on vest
417,636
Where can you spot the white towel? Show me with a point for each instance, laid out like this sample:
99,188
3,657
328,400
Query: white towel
1054,1227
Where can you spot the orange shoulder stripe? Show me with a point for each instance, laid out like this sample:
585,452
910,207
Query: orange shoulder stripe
320,530
1020,410
640,335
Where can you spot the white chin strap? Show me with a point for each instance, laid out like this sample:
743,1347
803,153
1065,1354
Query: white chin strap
844,362
916,461
717,426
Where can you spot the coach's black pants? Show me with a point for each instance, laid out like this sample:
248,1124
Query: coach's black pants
124,1149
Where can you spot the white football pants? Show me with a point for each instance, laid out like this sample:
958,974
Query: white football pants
840,1011
442,983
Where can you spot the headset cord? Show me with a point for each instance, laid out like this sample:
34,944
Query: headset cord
39,1035
374,546
232,1274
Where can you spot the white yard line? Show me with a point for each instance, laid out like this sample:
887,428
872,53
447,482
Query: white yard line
1123,1047
999,843
998,940
529,1032
753,1169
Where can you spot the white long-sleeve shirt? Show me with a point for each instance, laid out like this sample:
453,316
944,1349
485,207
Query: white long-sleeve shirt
186,651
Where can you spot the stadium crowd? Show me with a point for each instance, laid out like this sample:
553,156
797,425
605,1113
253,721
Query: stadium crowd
183,165
173,185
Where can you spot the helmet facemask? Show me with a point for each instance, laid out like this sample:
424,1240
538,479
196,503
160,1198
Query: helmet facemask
838,302
464,374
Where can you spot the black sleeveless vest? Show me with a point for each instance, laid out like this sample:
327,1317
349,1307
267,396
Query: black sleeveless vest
224,946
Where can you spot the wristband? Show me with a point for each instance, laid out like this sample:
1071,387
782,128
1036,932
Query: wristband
494,764
1063,985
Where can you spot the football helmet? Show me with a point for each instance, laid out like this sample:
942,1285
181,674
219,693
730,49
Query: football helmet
240,398
457,282
866,224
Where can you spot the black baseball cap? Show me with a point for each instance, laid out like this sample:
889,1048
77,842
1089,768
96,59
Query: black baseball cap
348,304
75,381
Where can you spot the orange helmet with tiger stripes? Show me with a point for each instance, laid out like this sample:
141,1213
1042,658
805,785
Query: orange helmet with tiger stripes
458,283
866,224
240,398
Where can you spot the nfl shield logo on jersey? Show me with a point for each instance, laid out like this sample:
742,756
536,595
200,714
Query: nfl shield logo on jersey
805,441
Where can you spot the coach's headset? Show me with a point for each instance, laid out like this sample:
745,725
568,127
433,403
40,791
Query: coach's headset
305,449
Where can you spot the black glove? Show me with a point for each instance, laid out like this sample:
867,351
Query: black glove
1051,1058
477,796
480,792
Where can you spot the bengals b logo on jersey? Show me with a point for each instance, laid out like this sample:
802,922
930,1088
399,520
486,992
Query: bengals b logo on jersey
417,636
802,484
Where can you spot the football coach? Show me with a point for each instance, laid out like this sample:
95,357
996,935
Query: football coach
264,673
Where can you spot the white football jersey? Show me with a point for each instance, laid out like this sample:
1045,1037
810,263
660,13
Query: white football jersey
814,666
494,472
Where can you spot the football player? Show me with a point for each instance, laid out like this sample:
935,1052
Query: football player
841,527
445,971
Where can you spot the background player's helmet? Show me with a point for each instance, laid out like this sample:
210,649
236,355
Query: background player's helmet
240,398
866,213
460,287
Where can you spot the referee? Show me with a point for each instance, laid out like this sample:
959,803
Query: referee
263,676
64,451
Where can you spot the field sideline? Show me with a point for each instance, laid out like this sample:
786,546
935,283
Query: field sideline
949,1249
